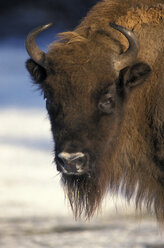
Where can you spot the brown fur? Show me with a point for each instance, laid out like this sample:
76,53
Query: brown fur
80,60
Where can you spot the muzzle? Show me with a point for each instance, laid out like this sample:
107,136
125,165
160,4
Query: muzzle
73,163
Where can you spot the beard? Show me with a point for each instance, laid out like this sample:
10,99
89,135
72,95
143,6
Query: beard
85,193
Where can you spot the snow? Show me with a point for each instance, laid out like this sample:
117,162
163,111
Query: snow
33,209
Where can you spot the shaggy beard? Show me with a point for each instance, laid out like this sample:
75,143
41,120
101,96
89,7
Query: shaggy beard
85,193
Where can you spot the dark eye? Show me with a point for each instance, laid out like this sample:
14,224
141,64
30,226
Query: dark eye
106,104
48,104
48,98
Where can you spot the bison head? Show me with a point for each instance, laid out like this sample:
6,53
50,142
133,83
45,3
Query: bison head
86,84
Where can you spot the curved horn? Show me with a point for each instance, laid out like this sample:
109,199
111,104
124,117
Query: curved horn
130,55
33,50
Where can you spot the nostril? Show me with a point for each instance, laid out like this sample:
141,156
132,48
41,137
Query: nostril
62,158
62,161
80,161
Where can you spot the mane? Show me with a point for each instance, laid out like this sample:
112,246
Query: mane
134,18
132,15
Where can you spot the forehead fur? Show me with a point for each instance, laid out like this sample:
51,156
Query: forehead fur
82,62
71,49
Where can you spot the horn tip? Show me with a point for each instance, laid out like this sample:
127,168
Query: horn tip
118,27
47,25
113,25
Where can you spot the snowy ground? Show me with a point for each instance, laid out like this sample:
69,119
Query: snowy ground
33,209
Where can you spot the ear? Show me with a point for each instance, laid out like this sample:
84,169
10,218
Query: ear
131,77
37,72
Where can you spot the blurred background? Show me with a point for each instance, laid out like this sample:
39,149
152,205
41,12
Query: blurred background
33,209
19,16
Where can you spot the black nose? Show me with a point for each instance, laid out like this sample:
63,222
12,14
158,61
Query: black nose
73,163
